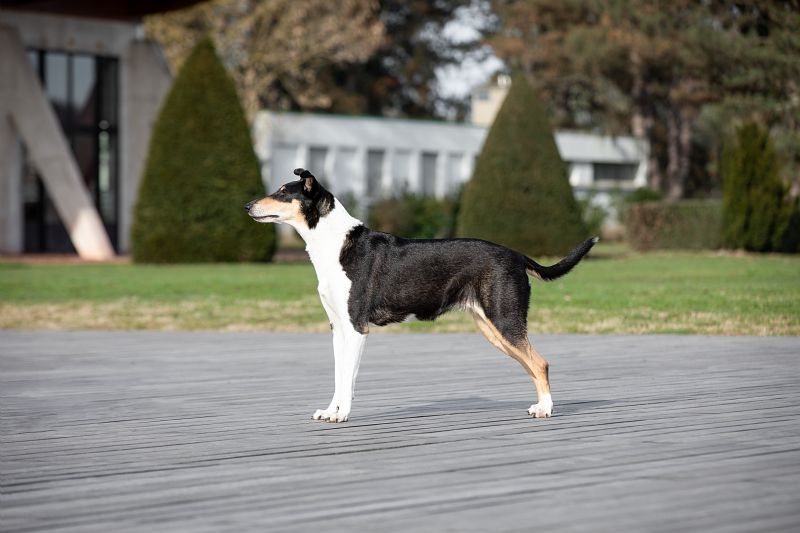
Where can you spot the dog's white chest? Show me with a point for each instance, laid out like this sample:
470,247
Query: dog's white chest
334,285
324,246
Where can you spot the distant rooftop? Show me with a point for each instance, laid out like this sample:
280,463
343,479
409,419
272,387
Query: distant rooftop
115,10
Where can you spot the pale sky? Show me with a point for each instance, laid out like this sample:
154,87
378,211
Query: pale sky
458,80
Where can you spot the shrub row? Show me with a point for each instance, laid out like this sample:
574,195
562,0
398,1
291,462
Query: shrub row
414,217
690,224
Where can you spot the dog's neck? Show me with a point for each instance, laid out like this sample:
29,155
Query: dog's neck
327,237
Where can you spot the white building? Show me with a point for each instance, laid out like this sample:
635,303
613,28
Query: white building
374,157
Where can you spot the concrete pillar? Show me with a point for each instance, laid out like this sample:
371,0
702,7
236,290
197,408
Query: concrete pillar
11,218
144,84
22,98
415,172
387,177
440,181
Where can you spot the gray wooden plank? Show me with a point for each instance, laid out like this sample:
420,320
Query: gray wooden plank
136,431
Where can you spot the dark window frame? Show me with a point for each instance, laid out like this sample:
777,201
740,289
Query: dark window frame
72,129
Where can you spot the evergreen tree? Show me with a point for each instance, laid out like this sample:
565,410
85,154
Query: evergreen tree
350,56
758,214
653,68
519,195
201,170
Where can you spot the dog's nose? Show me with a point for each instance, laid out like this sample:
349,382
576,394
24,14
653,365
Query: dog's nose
249,204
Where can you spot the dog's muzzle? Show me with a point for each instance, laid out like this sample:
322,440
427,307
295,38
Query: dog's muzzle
249,206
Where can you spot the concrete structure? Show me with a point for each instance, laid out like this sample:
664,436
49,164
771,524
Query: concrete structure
374,157
207,432
78,97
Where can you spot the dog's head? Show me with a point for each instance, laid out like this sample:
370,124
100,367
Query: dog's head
302,202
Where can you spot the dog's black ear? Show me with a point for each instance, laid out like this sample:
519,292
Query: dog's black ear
309,181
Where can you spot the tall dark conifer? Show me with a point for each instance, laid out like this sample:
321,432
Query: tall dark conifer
519,194
201,170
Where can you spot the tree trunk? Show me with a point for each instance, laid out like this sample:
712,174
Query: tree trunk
642,125
642,120
679,147
250,101
685,138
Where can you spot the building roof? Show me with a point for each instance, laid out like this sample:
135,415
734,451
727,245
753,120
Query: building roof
127,10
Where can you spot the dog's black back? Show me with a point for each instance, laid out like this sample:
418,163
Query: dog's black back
394,278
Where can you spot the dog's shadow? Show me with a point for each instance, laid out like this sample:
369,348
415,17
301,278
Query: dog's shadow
479,404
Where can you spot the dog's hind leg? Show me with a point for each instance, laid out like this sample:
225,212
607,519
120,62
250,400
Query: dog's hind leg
541,379
521,350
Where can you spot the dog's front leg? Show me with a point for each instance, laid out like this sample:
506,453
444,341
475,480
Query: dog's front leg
353,349
338,368
338,354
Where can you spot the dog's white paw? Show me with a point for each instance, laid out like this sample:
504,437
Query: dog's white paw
324,414
543,409
339,417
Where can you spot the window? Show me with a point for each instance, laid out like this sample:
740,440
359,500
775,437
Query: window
614,171
374,172
83,90
316,163
428,174
453,172
401,170
344,170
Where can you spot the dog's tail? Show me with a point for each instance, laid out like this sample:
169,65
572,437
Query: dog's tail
549,273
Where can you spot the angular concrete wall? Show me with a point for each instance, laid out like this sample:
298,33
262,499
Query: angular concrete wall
11,218
24,102
145,82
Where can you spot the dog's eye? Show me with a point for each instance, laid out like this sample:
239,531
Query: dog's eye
282,189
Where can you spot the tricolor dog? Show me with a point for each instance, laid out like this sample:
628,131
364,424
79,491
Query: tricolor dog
372,278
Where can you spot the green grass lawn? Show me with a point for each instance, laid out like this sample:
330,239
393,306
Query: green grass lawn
612,292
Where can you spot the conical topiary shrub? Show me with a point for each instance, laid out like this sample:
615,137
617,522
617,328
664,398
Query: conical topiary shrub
519,194
201,170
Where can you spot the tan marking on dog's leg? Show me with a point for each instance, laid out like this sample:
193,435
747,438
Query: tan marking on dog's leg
533,363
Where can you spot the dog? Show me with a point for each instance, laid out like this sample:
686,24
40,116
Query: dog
372,278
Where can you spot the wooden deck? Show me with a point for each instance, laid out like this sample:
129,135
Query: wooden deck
212,431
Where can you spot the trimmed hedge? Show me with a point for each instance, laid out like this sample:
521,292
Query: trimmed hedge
689,224
519,194
414,217
201,170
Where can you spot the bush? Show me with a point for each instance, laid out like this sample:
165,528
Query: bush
758,214
593,215
643,194
689,224
415,217
519,194
200,172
